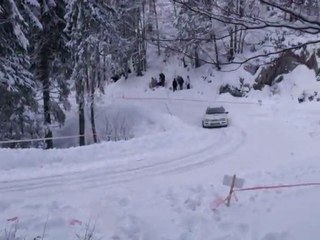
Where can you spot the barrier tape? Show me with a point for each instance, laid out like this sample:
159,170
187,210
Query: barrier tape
74,222
219,201
186,100
42,139
276,186
71,222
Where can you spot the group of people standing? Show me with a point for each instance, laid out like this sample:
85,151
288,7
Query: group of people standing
177,81
154,83
180,81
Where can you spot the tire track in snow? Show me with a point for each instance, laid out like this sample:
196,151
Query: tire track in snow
105,170
82,176
116,175
188,166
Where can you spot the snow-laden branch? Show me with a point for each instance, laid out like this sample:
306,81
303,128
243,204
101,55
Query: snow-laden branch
298,16
255,23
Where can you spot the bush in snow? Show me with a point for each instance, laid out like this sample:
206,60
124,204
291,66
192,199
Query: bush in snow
10,234
240,91
231,89
89,232
118,127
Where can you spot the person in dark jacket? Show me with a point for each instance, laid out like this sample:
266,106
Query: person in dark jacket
188,82
162,79
180,82
174,85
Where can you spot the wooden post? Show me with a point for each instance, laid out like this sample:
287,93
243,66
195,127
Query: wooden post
231,190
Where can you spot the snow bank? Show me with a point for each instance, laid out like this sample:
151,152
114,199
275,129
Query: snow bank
300,80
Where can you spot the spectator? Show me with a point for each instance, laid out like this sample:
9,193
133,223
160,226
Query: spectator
153,83
174,85
180,82
162,79
188,82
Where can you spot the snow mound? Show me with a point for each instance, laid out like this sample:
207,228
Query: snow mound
115,121
300,81
124,120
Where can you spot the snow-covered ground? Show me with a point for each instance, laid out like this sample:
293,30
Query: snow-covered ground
165,182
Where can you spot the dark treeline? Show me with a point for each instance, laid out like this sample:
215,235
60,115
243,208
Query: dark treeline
51,47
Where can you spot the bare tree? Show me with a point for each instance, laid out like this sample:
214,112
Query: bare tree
239,21
154,9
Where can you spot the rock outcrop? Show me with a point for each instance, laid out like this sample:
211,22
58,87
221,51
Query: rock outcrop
287,61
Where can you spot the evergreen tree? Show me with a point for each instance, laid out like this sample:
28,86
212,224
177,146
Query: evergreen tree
50,63
87,39
17,89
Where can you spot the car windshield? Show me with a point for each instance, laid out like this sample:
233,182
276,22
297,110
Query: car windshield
215,110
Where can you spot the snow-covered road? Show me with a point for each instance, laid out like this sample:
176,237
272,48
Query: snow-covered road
184,148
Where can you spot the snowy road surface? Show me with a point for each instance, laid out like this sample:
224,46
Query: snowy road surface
162,184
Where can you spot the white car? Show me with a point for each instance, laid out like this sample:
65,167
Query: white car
215,117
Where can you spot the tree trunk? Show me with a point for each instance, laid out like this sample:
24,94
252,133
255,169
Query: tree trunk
43,71
241,8
216,52
231,50
44,78
139,60
47,119
143,38
104,68
81,104
317,10
92,116
235,39
82,141
94,81
157,26
196,58
240,41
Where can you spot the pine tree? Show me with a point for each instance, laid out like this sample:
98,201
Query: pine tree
131,32
18,107
85,21
50,64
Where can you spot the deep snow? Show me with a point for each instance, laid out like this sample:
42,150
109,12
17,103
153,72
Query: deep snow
164,182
